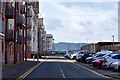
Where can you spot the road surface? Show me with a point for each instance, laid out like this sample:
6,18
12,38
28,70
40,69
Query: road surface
57,67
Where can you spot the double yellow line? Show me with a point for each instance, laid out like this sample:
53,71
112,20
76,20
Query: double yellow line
29,71
92,71
33,68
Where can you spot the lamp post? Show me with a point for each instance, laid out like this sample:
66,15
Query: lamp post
113,41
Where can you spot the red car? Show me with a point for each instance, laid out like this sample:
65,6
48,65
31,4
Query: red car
98,63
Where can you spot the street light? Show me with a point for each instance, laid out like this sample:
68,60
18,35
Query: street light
113,41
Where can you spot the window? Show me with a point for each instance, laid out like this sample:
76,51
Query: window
0,26
33,28
33,39
2,6
116,57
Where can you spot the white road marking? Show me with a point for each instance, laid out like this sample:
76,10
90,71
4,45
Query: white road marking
61,70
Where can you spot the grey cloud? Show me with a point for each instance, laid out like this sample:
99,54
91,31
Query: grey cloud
52,23
92,5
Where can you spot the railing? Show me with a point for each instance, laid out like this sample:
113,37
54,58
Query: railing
22,9
19,39
10,35
29,36
10,12
29,24
20,21
30,3
29,13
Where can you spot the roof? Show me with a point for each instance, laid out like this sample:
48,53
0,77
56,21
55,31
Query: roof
107,43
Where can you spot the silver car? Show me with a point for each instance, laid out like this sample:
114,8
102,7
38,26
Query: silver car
115,65
113,58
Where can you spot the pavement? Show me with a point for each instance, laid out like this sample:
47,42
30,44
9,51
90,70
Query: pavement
61,68
15,70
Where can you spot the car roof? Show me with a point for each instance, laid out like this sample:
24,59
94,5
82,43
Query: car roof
114,54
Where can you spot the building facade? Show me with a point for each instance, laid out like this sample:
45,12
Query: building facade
41,36
18,29
49,42
101,46
33,8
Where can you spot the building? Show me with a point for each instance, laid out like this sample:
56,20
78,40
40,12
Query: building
89,47
18,25
33,10
101,46
2,31
41,36
49,42
15,27
22,32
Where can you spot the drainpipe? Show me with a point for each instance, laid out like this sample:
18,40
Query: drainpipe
22,55
15,29
26,34
22,44
6,56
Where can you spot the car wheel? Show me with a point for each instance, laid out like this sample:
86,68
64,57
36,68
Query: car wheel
85,61
109,67
100,66
74,57
77,59
119,68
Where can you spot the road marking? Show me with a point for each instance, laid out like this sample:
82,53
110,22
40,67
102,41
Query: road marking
29,71
61,70
91,70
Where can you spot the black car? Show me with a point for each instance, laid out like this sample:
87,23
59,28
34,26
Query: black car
86,55
90,59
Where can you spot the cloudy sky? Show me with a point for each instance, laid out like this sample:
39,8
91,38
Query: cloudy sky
81,21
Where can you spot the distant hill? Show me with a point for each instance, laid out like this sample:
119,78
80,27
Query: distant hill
68,46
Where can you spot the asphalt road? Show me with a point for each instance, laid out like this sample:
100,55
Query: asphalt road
61,69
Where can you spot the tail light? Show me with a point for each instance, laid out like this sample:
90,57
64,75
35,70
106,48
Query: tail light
108,57
95,54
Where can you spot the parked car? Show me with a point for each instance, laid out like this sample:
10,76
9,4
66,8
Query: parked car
97,55
74,55
68,54
116,65
86,55
107,62
98,62
80,54
90,59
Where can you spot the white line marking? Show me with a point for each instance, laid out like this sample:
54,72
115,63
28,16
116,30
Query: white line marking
61,70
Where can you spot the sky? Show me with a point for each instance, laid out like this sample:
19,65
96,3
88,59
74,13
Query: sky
80,21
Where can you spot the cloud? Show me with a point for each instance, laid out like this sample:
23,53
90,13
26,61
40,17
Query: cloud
76,22
79,0
52,23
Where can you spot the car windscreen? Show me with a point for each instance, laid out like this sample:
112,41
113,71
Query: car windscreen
100,55
90,54
116,57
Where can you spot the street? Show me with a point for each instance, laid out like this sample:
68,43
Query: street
55,67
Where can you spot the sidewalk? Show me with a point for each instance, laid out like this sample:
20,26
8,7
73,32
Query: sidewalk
16,70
